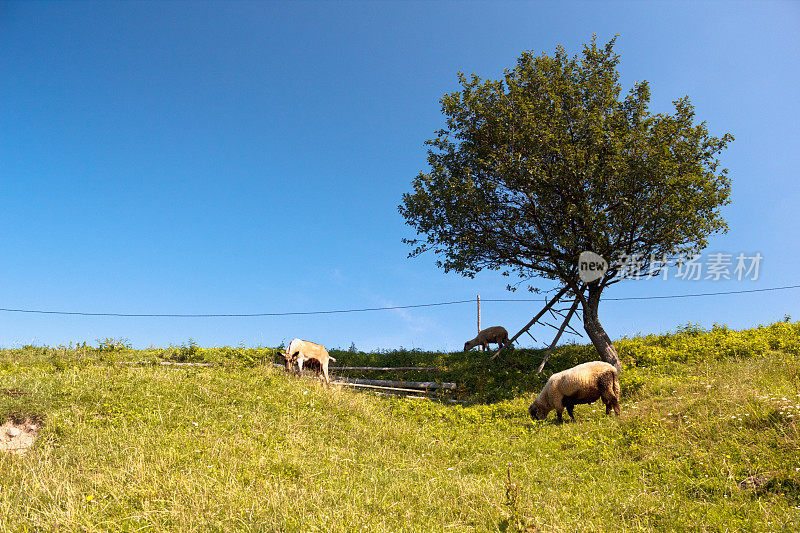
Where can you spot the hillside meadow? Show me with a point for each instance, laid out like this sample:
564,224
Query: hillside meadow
708,440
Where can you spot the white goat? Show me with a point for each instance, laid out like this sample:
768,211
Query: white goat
300,351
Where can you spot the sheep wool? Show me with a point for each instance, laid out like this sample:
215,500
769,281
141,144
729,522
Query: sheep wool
584,383
494,334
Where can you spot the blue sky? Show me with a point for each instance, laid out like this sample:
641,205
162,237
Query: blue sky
249,157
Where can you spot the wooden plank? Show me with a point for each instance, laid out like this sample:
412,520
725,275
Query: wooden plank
347,384
558,335
377,368
539,315
405,386
387,368
164,363
413,385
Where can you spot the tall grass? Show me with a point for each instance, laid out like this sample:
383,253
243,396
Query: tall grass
242,446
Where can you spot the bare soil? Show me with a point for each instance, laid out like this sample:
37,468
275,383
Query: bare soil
18,437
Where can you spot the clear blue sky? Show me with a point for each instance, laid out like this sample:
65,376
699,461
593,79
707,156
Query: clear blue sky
243,157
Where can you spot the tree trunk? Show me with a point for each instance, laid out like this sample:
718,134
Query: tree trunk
594,329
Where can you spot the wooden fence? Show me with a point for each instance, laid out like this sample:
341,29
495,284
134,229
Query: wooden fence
393,387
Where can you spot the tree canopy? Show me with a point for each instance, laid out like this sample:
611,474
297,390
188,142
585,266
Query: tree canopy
532,169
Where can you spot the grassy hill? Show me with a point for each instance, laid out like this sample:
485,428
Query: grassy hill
242,446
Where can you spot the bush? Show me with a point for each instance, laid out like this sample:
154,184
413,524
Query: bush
692,344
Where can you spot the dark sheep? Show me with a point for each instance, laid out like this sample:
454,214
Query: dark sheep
494,334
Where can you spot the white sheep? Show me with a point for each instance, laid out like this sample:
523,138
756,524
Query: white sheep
583,383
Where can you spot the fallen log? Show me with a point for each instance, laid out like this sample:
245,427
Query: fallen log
377,387
164,363
535,319
413,385
387,368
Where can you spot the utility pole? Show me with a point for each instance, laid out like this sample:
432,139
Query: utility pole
479,316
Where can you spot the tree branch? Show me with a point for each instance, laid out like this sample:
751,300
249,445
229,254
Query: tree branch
558,335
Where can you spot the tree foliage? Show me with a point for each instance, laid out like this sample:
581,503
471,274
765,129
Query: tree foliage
549,161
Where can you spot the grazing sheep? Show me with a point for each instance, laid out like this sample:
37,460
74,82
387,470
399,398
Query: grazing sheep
580,384
300,351
495,334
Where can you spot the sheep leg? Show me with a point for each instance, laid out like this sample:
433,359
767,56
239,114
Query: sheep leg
612,403
325,374
609,392
615,396
558,413
615,404
569,407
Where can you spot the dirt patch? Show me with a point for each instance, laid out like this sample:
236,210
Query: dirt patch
756,482
17,437
14,393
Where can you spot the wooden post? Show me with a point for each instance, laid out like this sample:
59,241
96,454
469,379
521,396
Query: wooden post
479,316
558,335
533,321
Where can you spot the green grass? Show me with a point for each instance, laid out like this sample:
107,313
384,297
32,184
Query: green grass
242,446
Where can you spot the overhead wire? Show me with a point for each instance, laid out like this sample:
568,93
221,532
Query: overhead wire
368,309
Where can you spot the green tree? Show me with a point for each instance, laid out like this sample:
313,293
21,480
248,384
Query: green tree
549,161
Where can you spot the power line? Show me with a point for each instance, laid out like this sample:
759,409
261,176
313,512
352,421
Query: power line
669,296
367,309
233,315
705,293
